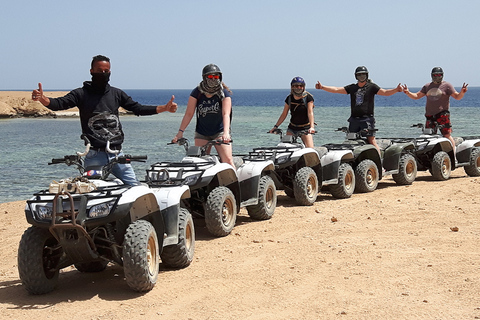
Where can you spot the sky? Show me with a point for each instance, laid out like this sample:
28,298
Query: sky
258,44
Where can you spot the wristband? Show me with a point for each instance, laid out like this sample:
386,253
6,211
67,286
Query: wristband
275,126
181,130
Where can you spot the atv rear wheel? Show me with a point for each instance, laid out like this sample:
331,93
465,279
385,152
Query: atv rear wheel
441,166
346,182
366,176
180,255
39,255
220,211
473,170
305,186
140,256
267,200
407,170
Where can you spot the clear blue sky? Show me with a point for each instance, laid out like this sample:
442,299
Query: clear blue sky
156,44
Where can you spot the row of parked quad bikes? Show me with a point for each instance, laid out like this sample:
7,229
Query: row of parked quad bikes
91,220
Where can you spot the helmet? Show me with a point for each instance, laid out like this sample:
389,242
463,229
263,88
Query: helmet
211,68
361,69
437,71
297,80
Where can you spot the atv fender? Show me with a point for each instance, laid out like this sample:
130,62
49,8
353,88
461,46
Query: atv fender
464,150
310,157
249,176
331,163
368,151
391,157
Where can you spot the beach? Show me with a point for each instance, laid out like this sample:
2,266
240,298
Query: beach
400,252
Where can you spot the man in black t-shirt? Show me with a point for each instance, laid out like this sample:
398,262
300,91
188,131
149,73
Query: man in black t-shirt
362,102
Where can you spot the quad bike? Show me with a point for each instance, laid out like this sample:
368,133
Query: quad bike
217,189
91,220
434,153
368,165
297,168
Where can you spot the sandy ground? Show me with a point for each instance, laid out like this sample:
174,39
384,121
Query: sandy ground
390,254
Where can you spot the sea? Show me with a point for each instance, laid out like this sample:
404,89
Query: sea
28,144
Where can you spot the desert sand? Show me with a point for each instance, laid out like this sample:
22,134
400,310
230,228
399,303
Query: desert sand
400,252
19,103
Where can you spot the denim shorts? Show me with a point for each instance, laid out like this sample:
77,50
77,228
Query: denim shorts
358,124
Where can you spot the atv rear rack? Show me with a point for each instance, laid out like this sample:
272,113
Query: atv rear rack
168,174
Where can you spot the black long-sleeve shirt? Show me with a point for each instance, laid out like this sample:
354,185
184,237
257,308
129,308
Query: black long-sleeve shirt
91,102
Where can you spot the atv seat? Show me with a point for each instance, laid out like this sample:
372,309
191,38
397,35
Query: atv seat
237,161
194,151
321,151
458,140
384,143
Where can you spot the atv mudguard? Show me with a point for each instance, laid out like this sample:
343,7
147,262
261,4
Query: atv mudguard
464,150
249,175
392,155
331,162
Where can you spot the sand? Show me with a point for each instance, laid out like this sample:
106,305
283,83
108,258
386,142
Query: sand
400,252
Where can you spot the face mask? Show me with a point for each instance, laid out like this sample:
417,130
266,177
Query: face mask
212,83
437,79
101,78
298,91
361,77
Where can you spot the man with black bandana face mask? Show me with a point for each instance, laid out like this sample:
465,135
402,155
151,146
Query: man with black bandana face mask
98,105
362,102
438,94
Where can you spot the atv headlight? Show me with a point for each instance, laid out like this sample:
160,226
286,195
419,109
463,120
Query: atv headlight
99,210
191,180
283,159
44,212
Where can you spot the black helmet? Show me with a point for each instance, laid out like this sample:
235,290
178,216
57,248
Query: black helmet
211,68
437,70
437,75
361,69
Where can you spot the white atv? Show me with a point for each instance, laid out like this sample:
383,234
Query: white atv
91,220
217,189
297,168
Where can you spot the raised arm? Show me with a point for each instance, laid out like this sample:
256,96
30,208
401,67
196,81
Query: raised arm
37,95
389,92
411,95
459,95
341,90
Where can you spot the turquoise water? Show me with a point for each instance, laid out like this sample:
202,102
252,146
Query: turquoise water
29,144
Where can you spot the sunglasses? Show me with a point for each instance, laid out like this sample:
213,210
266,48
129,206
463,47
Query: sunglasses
213,76
437,74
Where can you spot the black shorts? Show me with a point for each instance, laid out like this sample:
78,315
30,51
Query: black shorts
358,124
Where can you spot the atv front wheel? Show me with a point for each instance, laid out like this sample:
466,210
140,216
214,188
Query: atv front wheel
180,255
407,170
366,176
305,186
38,259
140,256
220,211
441,166
267,200
346,182
473,169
